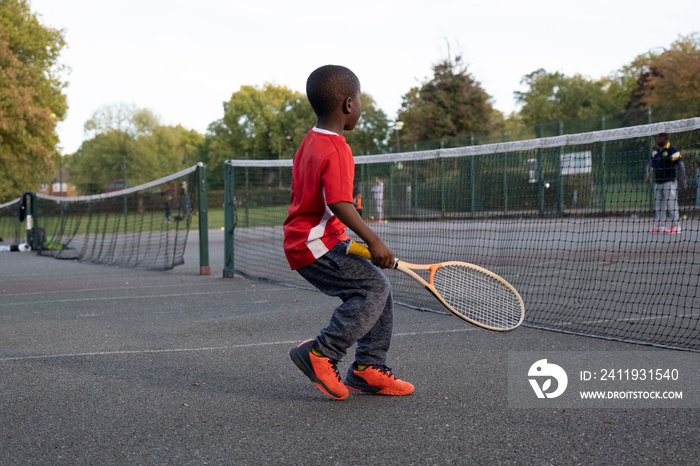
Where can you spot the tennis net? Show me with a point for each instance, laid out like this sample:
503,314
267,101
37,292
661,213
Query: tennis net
564,219
12,231
141,227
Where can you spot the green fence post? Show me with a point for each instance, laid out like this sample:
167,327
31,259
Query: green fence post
472,177
603,169
246,201
362,189
560,178
60,193
540,181
505,176
650,147
229,225
386,213
204,268
414,189
442,187
126,198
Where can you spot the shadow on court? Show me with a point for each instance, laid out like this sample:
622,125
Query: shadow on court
114,366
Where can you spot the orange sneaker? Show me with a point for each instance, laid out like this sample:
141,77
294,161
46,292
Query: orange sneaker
322,371
376,379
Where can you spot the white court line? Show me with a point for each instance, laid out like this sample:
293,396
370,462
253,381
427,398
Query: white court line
628,319
126,286
111,298
210,348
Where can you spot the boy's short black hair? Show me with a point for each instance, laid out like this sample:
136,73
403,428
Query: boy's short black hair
662,138
328,86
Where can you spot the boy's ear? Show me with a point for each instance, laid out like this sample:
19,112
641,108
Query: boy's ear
347,105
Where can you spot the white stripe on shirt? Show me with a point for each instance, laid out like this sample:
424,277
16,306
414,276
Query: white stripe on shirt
314,242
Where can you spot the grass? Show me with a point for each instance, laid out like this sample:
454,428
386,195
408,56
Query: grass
114,222
251,217
261,216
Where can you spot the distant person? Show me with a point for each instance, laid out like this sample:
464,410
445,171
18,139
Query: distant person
168,192
378,192
668,168
315,244
185,202
358,203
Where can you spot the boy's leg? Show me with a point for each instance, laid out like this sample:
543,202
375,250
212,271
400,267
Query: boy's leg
366,313
369,373
673,202
660,205
372,348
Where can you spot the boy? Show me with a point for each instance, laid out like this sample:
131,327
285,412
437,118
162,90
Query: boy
315,244
668,168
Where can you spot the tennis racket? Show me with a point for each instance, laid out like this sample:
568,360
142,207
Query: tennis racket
473,294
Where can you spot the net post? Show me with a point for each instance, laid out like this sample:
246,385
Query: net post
229,213
204,268
32,226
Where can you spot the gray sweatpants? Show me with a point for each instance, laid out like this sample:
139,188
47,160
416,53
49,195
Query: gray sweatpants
367,313
666,196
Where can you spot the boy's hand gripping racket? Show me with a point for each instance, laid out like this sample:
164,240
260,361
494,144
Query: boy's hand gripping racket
473,294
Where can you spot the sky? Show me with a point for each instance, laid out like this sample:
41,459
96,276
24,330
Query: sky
183,59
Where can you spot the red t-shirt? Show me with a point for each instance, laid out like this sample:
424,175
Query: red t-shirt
322,173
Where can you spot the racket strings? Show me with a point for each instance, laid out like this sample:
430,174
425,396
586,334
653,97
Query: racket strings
478,296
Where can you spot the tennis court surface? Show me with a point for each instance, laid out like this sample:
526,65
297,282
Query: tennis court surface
105,365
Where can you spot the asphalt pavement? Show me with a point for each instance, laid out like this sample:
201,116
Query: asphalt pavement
115,366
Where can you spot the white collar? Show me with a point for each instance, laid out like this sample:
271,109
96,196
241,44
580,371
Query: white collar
324,131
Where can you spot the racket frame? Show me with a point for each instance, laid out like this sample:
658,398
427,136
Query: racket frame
409,269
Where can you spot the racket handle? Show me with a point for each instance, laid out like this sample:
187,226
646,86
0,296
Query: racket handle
359,250
362,251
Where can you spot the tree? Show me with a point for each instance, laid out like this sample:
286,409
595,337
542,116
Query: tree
554,96
98,161
126,138
667,80
31,97
449,104
121,117
265,122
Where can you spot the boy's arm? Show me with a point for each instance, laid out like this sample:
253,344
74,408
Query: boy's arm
647,172
681,174
382,256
